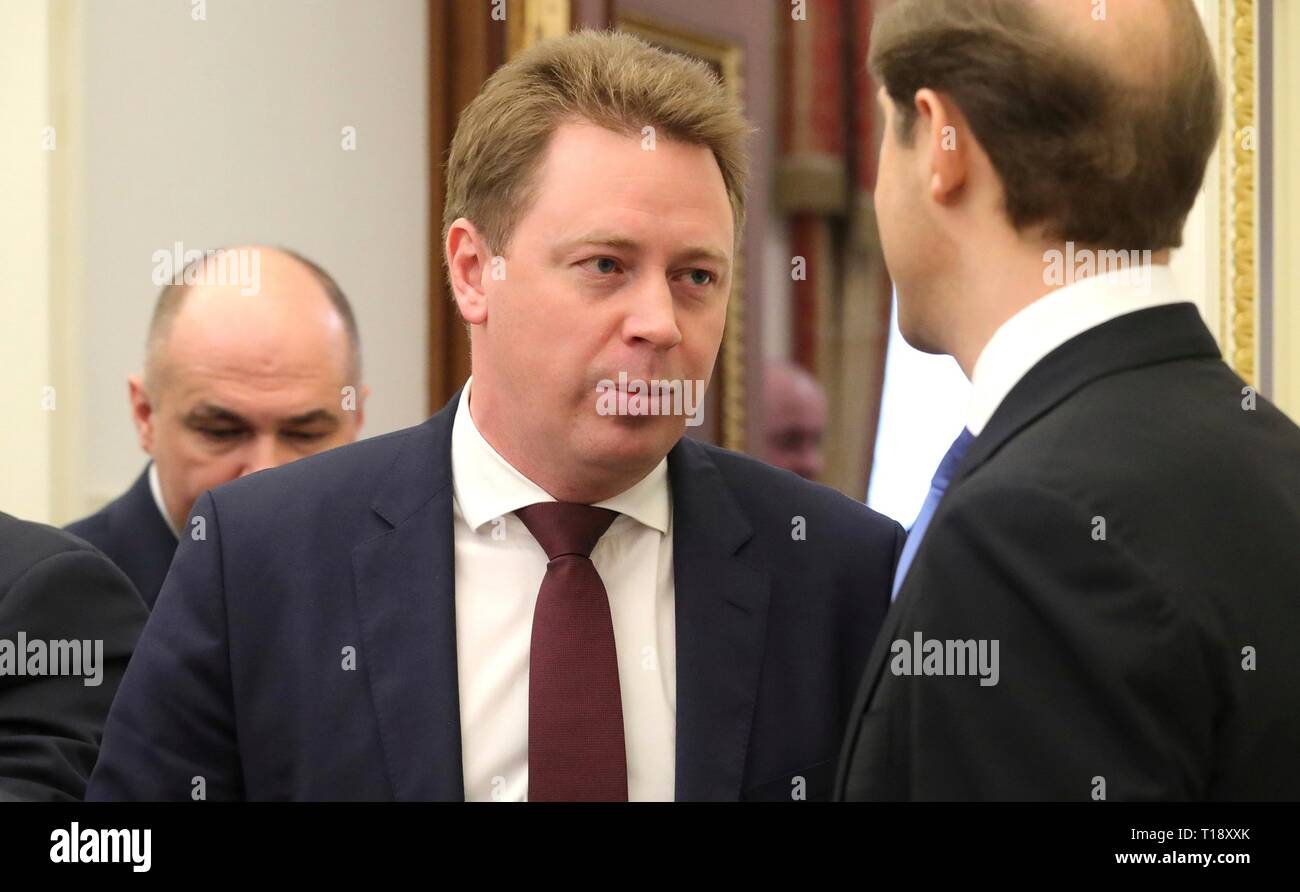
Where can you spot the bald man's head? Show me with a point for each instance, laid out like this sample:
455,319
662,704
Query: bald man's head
240,378
1099,116
1132,40
287,273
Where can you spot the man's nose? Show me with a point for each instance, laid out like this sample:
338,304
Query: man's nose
810,462
262,454
654,318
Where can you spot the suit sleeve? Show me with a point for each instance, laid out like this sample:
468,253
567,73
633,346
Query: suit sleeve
171,732
50,725
1104,682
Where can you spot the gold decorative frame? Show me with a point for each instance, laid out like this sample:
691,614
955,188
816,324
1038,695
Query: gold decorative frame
727,59
1284,310
529,21
1239,180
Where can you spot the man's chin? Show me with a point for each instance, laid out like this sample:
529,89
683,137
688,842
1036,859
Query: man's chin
629,441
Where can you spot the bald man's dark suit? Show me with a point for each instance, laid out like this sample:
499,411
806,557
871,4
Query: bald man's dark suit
132,532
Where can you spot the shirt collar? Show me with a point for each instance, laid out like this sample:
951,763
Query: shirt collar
155,487
486,486
1047,323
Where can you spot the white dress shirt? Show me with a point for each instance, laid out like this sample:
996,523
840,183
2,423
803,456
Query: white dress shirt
155,487
1047,323
499,570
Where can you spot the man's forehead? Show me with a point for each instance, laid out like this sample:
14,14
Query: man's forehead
266,387
240,336
587,165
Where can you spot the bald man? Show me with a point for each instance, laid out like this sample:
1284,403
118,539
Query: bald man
1100,599
238,377
794,419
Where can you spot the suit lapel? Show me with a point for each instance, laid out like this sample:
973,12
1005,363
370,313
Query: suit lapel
871,675
1146,337
405,585
405,592
148,542
721,606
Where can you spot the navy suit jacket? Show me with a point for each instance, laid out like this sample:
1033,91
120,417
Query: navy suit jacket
1126,527
54,587
132,532
239,678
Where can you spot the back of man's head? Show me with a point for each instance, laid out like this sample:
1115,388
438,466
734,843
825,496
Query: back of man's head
1098,115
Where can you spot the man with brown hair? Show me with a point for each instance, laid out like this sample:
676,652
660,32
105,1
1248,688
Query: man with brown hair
545,591
1101,596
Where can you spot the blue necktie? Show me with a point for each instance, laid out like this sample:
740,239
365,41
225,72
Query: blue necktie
942,477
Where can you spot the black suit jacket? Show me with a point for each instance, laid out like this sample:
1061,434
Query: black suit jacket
133,533
238,676
1121,658
54,587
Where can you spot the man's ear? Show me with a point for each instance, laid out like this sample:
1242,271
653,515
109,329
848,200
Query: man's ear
360,411
142,412
469,263
947,149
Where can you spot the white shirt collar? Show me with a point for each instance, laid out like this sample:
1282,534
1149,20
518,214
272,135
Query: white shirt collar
155,487
486,486
1047,323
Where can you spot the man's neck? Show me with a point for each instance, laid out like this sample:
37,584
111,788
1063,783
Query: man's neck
999,289
584,485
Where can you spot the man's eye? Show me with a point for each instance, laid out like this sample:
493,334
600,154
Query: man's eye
302,436
700,278
603,265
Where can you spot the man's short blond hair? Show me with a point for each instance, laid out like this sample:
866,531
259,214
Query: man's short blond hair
614,80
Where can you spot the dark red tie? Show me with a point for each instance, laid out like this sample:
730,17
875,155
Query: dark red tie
575,711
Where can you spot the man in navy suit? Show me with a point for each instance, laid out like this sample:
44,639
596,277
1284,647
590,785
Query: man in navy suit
545,591
250,357
1108,550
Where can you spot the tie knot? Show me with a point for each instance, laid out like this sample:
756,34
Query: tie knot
566,527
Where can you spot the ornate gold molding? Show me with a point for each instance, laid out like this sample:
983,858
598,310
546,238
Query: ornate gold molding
1240,177
531,21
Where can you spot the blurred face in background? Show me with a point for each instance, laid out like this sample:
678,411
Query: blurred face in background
240,383
622,264
794,420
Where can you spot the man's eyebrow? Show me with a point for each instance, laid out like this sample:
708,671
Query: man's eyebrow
208,412
310,417
594,239
622,243
702,253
